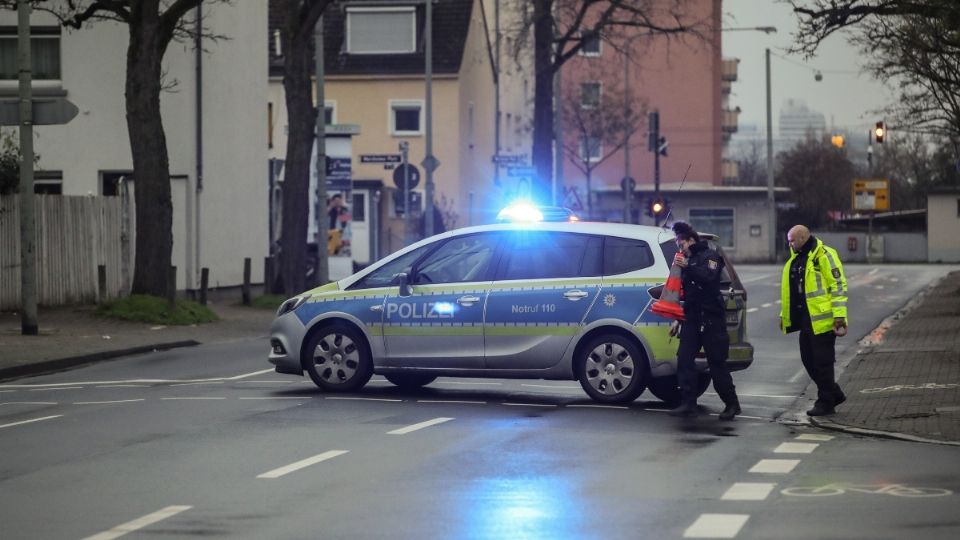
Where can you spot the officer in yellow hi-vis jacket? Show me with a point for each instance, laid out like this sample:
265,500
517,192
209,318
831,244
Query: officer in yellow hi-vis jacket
813,294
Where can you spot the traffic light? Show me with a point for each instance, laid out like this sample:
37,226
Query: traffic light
879,132
657,207
837,140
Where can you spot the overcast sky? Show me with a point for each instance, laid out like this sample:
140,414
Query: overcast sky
844,96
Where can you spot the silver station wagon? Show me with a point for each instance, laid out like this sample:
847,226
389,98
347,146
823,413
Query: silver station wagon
546,300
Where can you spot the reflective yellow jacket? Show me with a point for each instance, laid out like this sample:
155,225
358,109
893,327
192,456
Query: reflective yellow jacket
825,286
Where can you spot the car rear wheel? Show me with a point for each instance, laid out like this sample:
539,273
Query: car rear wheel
338,359
667,389
612,369
410,381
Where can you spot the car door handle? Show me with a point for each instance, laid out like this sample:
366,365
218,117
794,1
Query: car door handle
468,300
378,307
575,295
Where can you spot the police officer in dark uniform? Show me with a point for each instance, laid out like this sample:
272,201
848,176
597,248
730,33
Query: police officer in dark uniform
704,324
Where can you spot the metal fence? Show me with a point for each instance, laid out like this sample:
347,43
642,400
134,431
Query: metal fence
75,234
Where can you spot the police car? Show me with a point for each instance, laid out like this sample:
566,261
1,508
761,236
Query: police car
552,300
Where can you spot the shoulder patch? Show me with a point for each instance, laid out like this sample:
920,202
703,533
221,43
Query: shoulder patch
712,264
836,273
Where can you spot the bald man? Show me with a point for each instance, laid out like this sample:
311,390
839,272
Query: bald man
813,296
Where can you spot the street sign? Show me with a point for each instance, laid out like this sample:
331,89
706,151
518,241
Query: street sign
520,171
871,194
46,111
430,164
504,159
379,158
339,173
413,171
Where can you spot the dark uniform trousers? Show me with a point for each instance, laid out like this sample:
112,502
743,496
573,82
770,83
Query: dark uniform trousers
818,357
712,336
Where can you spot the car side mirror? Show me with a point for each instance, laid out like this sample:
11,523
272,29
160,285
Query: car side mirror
655,292
403,280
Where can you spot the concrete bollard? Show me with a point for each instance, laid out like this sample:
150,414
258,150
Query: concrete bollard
268,275
172,288
204,282
101,284
246,281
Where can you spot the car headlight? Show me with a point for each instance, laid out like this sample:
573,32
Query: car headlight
291,304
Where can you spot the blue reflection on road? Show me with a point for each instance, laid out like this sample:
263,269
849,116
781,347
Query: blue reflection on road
522,508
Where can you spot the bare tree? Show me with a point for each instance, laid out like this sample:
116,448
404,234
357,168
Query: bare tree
598,120
299,18
912,43
914,164
560,28
151,25
819,176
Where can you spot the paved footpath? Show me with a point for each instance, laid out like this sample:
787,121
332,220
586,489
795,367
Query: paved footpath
905,382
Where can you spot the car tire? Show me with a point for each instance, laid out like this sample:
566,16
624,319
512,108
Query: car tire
667,389
338,359
612,369
410,381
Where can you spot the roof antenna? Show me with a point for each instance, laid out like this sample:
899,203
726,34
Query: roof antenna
670,210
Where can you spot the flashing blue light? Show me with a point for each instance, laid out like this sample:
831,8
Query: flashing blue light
520,212
443,308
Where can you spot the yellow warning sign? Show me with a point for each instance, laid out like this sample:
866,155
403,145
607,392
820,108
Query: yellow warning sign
871,194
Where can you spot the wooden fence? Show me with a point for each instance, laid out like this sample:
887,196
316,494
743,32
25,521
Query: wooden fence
75,234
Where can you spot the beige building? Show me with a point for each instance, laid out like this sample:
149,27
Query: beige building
943,225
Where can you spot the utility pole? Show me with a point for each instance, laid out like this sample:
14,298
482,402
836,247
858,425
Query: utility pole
28,222
496,95
627,180
429,163
322,271
771,200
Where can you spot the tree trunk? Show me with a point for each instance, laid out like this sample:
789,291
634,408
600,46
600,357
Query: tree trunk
296,180
543,100
151,163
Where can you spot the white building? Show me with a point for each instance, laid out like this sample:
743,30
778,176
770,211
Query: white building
216,227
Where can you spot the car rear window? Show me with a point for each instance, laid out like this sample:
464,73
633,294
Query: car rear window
621,255
548,255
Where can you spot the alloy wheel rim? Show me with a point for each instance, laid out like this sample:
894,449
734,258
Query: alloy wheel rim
609,368
337,358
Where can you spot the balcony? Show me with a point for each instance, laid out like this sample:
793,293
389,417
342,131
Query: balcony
728,69
729,171
729,118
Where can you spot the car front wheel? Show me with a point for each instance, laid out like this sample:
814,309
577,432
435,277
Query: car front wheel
612,369
338,359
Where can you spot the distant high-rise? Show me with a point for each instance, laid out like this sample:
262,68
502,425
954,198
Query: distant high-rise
796,120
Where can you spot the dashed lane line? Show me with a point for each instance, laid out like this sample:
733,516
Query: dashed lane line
196,383
775,466
245,375
552,386
597,406
107,402
451,401
30,403
795,448
814,437
122,386
528,404
139,523
421,425
753,309
287,469
365,399
748,491
32,420
190,398
716,526
57,388
276,397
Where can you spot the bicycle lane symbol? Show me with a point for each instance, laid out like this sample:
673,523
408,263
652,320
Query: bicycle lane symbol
896,490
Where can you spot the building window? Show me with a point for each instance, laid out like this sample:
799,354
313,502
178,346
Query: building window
591,44
358,212
406,117
958,208
590,148
48,182
590,95
718,221
329,112
381,30
44,53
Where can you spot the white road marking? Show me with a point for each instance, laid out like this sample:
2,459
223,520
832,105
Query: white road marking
196,383
527,405
471,383
365,399
748,491
266,382
894,279
795,448
798,375
755,278
29,403
775,466
60,388
768,304
279,397
139,523
188,398
122,386
879,287
277,473
872,272
552,387
107,402
778,302
451,401
421,425
597,406
32,420
245,375
6,391
756,395
751,310
716,526
814,437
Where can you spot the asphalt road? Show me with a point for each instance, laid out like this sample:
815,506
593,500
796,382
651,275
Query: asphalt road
209,442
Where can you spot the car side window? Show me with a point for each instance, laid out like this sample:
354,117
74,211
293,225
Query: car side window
544,255
458,260
622,255
383,276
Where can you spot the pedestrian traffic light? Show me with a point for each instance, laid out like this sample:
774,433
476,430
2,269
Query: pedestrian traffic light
879,132
837,140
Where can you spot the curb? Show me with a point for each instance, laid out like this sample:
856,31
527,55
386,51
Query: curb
60,364
835,426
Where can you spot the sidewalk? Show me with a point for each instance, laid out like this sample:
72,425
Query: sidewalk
73,335
905,382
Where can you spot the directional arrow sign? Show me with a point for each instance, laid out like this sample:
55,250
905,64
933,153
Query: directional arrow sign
46,111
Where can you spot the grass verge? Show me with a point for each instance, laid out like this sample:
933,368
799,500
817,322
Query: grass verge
155,310
267,301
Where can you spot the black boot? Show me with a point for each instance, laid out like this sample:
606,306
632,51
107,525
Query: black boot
686,410
731,410
820,409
